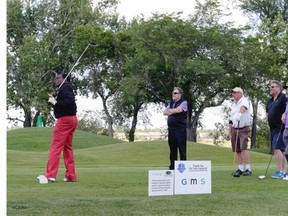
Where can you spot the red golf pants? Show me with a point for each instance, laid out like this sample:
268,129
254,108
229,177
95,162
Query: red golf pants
62,140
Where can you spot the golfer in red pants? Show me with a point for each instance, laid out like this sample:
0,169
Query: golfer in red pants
62,140
65,109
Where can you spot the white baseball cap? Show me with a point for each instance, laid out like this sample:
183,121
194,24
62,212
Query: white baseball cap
237,89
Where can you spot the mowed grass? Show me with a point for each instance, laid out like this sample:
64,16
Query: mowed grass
112,179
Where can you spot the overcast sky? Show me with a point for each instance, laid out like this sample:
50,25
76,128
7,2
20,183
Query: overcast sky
132,8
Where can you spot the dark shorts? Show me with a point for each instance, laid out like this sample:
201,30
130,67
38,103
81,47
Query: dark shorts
242,136
277,143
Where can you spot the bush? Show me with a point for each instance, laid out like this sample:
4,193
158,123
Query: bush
262,134
219,134
91,122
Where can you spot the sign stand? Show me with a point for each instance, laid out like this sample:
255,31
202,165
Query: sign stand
161,182
189,177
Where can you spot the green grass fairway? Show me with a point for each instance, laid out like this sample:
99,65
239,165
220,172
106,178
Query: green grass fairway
112,180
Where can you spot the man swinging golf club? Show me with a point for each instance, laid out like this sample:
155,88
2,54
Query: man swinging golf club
65,109
239,122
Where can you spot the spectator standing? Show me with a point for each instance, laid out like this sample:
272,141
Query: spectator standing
239,129
176,111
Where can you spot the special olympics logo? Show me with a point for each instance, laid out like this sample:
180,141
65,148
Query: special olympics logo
181,167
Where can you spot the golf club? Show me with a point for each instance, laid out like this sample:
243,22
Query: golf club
77,62
235,146
264,176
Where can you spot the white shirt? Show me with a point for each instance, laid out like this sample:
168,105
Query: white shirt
245,117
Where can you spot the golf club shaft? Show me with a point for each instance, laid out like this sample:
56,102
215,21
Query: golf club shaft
273,150
268,165
236,142
74,65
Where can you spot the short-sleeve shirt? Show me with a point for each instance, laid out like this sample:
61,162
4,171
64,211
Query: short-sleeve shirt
245,116
275,109
183,105
177,121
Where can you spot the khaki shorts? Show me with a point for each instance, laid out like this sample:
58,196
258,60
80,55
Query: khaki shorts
242,135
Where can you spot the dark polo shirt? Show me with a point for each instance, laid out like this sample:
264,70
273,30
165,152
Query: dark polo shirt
275,109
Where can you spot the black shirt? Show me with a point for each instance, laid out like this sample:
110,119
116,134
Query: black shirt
65,105
275,109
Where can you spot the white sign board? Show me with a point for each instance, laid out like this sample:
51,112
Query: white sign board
192,177
161,182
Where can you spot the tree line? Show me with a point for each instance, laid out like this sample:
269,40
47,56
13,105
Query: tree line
138,62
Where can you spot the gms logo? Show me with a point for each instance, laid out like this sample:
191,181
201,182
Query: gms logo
181,167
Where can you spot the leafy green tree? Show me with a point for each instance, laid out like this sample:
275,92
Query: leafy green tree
39,45
129,102
154,55
272,32
274,43
21,25
268,58
254,77
266,8
24,87
102,69
168,51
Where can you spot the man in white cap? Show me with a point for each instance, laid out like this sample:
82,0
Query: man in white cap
239,129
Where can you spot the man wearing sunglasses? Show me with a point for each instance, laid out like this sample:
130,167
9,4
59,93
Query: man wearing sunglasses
274,109
176,111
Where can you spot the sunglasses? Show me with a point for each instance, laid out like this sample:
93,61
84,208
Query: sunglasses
175,93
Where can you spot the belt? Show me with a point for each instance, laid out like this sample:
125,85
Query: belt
240,127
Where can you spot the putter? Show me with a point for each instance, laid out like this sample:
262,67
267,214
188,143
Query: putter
77,62
264,176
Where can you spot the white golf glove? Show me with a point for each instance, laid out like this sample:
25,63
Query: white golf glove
238,116
52,100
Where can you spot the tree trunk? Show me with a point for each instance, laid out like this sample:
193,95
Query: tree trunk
110,128
192,126
109,117
254,123
133,126
35,119
192,132
28,119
